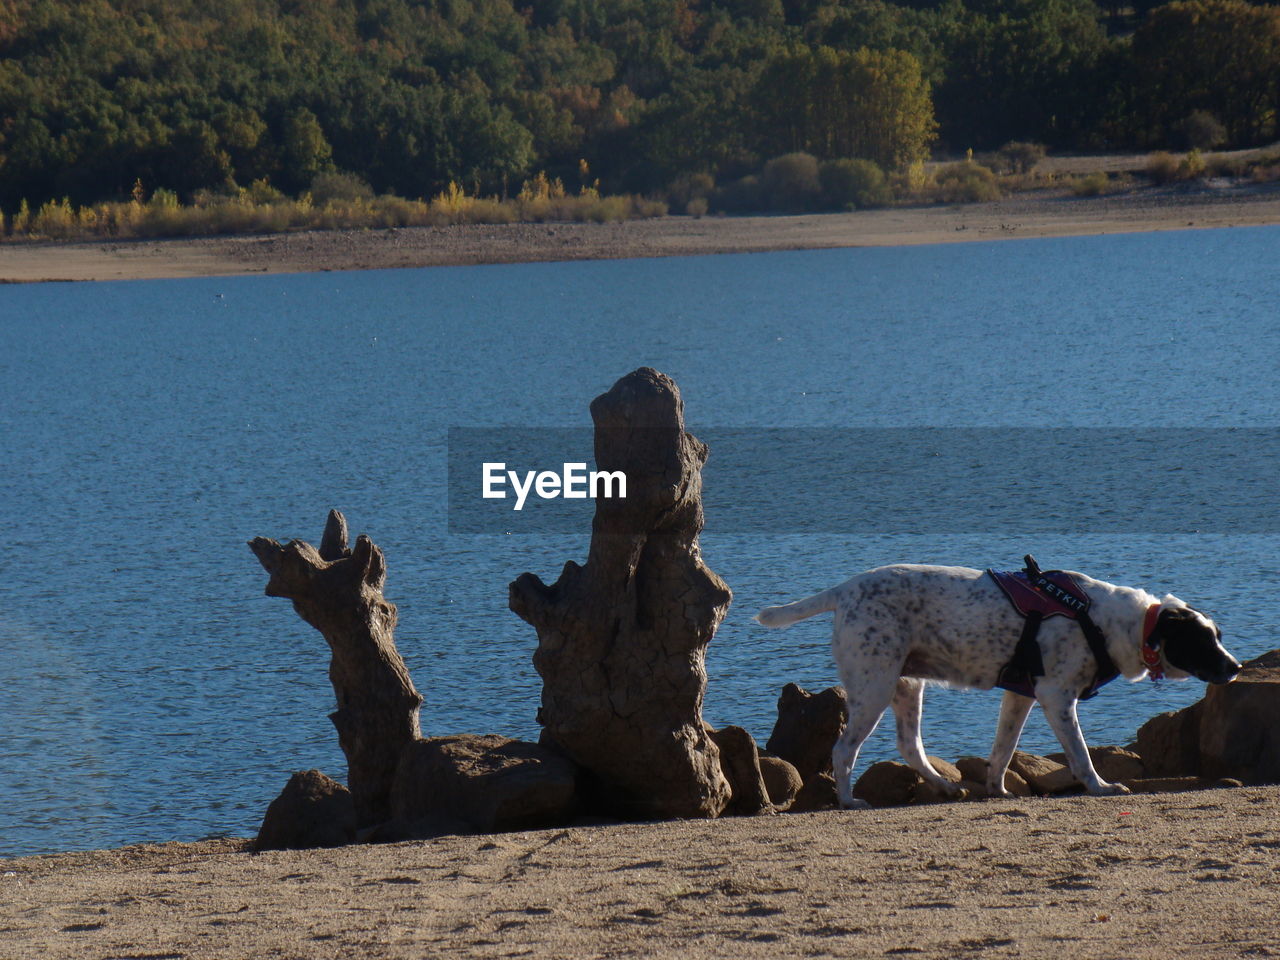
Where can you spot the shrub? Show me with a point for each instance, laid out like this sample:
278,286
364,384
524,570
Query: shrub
689,187
853,183
1192,166
1162,167
1021,157
790,182
697,207
55,219
339,187
1092,185
967,182
1201,130
261,191
646,208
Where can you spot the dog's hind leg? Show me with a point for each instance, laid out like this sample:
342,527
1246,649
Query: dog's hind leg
1013,715
1060,710
908,703
863,717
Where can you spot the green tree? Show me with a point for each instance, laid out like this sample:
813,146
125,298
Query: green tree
1218,56
872,104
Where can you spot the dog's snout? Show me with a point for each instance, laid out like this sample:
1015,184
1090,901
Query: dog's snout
1226,672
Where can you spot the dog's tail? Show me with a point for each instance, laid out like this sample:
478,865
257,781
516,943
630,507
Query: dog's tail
789,613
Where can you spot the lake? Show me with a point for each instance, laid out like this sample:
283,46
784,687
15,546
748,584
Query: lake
151,692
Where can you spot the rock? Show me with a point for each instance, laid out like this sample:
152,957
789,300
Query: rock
1114,764
1169,784
974,770
1169,743
622,640
888,784
818,793
946,769
339,592
423,828
928,793
1240,724
313,810
490,782
1042,774
781,780
740,762
807,727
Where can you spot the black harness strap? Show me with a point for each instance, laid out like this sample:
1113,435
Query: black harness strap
1107,670
1027,664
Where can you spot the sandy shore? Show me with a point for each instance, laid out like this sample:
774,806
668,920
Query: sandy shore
1192,875
1043,213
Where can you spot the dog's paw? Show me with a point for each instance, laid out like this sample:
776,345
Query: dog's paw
855,804
1111,790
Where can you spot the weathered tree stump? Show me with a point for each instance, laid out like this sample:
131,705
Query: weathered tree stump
621,641
339,592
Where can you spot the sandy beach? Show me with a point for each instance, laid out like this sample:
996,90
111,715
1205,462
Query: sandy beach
1193,874
1043,213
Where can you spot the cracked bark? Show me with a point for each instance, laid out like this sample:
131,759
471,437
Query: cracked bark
621,640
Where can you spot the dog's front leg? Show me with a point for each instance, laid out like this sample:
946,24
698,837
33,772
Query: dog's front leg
1059,707
1013,715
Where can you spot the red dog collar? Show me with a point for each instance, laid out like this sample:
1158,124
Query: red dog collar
1151,652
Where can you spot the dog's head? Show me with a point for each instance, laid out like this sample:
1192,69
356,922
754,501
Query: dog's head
1190,644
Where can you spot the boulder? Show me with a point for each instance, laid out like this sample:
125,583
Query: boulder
338,590
1114,764
781,780
818,793
740,762
1240,724
888,784
490,782
1042,774
807,727
1169,743
622,640
928,793
313,810
974,770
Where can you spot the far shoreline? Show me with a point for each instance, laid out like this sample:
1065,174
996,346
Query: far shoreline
1041,213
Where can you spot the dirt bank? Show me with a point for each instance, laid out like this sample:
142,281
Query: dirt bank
1192,875
1044,213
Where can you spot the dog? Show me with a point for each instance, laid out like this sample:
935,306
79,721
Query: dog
899,627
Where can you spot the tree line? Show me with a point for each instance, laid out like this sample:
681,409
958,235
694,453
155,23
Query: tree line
97,96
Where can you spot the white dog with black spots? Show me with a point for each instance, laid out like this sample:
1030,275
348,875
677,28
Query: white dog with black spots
902,626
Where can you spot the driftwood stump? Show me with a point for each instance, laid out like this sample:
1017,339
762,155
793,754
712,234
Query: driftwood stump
339,592
621,641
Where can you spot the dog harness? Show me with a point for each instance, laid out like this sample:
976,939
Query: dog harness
1037,595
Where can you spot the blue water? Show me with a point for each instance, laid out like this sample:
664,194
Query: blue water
149,429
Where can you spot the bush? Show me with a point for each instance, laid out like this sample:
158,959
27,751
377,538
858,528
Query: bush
1020,157
966,182
690,187
339,187
790,182
1093,185
697,207
1162,167
1201,130
1192,166
853,184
